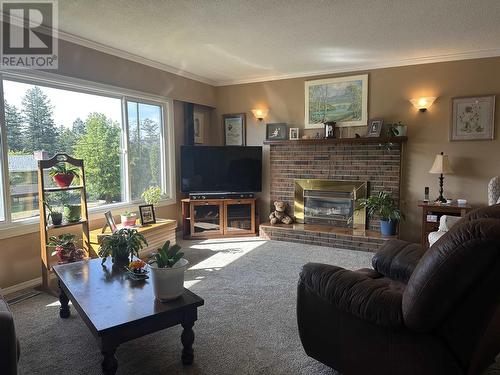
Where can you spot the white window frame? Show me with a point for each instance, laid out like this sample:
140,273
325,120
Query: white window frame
9,228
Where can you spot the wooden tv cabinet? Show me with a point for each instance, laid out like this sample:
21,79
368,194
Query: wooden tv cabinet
216,218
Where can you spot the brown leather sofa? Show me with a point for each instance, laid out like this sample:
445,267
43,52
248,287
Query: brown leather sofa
415,312
9,346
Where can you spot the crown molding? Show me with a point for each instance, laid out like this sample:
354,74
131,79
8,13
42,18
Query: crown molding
479,54
132,57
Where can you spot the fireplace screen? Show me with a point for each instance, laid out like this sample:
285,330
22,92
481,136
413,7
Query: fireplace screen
329,202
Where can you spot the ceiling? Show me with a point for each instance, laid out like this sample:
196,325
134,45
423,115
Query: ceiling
235,41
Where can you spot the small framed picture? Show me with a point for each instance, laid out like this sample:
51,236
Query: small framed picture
473,118
375,127
110,222
199,127
277,131
147,214
234,129
294,133
330,129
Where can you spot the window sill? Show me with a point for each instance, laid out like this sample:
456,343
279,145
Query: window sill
32,225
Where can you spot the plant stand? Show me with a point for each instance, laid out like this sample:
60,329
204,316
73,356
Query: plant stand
45,227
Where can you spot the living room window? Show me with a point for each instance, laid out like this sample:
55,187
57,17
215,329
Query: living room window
121,138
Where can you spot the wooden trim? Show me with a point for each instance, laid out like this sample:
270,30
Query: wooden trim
380,140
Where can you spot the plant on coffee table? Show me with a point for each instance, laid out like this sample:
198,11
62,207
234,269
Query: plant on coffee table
122,245
385,207
167,270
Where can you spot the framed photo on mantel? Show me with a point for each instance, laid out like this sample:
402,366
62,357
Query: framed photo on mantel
234,129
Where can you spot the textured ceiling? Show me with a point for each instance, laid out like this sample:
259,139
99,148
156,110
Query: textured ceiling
229,41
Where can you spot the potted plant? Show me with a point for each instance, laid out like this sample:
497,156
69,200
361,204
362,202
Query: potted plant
167,272
65,248
72,212
63,175
152,195
55,215
397,129
385,207
128,218
122,246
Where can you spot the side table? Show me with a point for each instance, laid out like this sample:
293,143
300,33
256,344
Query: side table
432,212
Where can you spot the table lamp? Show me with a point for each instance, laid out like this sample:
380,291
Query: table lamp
441,166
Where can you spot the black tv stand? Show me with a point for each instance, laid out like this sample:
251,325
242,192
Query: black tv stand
221,195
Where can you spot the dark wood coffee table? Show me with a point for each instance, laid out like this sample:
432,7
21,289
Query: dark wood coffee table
117,309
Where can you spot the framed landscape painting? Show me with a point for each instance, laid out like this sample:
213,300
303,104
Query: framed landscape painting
473,118
343,100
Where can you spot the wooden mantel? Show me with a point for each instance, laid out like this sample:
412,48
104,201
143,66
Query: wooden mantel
380,140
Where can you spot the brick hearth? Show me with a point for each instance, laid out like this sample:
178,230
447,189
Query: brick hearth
354,160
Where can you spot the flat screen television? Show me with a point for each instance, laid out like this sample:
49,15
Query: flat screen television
212,169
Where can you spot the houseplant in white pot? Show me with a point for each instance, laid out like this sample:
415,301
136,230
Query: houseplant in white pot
167,272
128,219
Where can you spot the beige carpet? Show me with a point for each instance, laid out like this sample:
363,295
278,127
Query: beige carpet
247,326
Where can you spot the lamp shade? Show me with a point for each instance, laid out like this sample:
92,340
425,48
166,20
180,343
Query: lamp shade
441,165
260,113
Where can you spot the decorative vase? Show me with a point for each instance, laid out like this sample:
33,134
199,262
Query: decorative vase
56,218
63,179
168,282
72,213
388,227
128,221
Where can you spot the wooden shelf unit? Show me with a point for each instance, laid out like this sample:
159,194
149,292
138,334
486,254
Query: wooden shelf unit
217,220
438,210
45,227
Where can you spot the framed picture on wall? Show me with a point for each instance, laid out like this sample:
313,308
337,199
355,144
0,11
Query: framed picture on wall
375,127
234,129
343,100
199,127
276,131
473,118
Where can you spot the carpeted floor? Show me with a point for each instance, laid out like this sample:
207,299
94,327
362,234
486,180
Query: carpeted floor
247,325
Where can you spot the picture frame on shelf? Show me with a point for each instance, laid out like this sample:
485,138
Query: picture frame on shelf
375,127
329,129
293,134
234,129
147,213
199,127
110,222
473,118
276,131
342,99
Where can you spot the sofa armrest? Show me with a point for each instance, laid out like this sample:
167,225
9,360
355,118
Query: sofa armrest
356,293
397,259
8,341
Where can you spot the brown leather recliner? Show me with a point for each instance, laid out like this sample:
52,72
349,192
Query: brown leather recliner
416,312
9,346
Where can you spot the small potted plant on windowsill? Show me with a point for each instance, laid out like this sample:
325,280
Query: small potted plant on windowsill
63,175
167,272
128,219
65,248
384,206
122,246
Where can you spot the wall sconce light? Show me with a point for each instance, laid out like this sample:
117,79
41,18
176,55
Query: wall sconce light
260,114
424,103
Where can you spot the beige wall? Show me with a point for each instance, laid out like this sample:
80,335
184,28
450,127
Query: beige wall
20,256
475,162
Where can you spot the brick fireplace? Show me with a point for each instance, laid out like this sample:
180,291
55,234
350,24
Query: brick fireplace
371,165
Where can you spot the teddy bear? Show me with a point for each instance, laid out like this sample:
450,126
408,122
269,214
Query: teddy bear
279,214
